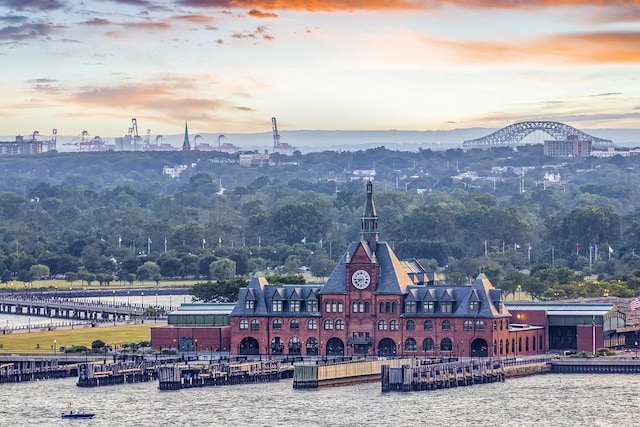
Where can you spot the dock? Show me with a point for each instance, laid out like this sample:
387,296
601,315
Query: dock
125,372
599,365
177,377
420,376
31,370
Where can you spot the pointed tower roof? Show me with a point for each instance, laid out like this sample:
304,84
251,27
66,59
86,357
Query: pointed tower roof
186,146
369,222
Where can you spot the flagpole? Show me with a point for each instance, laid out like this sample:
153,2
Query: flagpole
148,246
165,244
529,253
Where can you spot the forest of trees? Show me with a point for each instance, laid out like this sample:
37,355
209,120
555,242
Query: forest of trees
115,216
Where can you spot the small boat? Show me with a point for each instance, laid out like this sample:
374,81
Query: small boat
74,413
77,414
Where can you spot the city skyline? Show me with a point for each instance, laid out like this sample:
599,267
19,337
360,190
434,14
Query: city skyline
229,66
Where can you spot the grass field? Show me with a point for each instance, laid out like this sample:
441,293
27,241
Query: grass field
27,343
16,285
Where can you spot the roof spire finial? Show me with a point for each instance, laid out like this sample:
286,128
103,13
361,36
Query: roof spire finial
369,222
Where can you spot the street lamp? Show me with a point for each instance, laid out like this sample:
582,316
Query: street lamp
128,297
54,348
196,342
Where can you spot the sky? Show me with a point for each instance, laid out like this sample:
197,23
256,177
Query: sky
229,66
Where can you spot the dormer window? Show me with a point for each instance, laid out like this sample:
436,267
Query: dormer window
410,307
446,307
249,304
312,306
429,306
474,305
294,306
276,305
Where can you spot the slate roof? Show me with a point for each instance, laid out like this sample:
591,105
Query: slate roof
263,294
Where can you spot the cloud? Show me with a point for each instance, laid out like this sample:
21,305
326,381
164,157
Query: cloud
260,32
255,13
21,5
25,32
98,22
195,19
558,49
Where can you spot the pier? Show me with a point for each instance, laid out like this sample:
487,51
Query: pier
599,365
31,370
419,376
125,372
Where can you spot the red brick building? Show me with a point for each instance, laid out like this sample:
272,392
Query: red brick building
374,304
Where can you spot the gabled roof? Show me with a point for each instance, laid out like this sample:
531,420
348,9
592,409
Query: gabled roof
393,279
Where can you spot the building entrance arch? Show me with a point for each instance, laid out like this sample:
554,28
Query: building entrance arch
386,347
479,348
335,347
249,346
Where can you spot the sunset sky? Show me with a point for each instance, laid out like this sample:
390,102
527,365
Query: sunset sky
228,66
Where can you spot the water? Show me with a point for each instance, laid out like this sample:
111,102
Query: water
543,400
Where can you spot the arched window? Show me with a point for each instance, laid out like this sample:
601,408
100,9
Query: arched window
410,345
388,307
354,307
381,307
501,325
507,347
479,325
500,347
467,325
255,325
393,325
294,324
339,324
446,325
428,325
244,324
411,325
334,307
277,324
382,325
339,306
446,345
367,307
520,344
513,345
294,346
393,307
312,325
534,343
526,344
495,325
495,347
327,307
428,344
361,307
328,324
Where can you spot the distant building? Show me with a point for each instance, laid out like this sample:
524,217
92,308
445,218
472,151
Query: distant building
363,174
255,159
27,146
174,171
570,147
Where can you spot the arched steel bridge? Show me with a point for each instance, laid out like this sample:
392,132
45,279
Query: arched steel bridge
515,133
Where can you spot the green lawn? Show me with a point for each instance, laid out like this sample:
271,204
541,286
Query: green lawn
111,335
64,285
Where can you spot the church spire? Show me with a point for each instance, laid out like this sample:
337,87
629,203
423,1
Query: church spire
369,222
186,146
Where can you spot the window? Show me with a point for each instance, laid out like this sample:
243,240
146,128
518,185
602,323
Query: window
393,325
526,344
328,324
294,306
255,325
446,325
428,325
393,307
429,306
327,307
334,307
339,306
361,307
411,325
276,306
410,307
428,344
381,307
277,324
294,324
479,325
467,325
339,324
312,306
445,307
354,307
294,346
495,325
248,304
410,345
244,324
534,343
501,325
382,325
474,305
388,307
446,345
312,325
367,307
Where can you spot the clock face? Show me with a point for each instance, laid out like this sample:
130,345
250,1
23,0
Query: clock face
360,279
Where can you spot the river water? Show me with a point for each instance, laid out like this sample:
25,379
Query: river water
543,400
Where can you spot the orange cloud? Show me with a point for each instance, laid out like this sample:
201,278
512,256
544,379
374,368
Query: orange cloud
351,5
581,48
254,13
196,19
